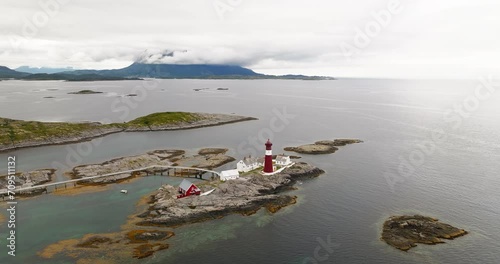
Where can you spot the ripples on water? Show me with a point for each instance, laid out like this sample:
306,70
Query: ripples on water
458,183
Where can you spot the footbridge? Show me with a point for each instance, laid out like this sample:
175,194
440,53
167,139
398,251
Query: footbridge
150,170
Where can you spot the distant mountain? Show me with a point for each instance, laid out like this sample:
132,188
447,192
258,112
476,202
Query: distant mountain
74,77
9,73
35,70
195,71
141,70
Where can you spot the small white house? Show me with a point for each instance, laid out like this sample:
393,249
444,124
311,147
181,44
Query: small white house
282,160
249,163
229,175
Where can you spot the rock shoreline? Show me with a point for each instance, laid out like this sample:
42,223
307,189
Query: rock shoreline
323,146
207,120
148,232
29,179
404,232
242,196
208,158
211,158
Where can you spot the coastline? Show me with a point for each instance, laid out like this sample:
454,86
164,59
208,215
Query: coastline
208,120
243,196
406,231
160,212
207,158
123,244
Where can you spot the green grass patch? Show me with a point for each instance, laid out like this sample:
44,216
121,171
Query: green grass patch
13,131
164,118
16,131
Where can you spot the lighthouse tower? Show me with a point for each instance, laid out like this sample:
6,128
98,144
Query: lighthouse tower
268,161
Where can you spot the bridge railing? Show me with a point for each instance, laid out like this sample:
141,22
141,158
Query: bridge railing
54,184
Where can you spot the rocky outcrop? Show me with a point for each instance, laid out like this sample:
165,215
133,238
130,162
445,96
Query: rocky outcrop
338,142
313,149
100,130
94,242
147,242
29,179
142,236
86,92
158,157
245,196
206,161
204,120
207,151
82,136
404,232
153,158
323,146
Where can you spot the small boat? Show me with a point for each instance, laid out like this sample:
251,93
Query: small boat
207,193
124,191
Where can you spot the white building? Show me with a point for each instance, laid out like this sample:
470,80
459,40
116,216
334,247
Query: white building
249,163
283,160
229,175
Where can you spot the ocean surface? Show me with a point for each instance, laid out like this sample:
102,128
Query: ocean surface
424,152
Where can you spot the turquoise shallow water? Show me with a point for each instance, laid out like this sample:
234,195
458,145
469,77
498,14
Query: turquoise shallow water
457,183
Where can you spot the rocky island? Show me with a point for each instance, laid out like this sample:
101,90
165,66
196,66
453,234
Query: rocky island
146,232
16,134
207,159
245,195
323,146
404,232
165,208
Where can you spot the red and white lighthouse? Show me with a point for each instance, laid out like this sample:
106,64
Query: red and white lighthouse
268,160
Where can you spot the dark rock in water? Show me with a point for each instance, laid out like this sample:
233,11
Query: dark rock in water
94,242
302,170
323,146
142,236
403,232
86,92
338,142
207,151
146,250
313,149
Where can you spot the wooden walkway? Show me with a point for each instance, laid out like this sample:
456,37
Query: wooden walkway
155,168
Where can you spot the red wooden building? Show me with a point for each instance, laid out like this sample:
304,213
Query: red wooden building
186,188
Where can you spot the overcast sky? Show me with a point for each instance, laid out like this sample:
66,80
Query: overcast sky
356,38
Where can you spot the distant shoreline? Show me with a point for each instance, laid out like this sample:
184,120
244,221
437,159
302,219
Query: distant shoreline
138,70
81,132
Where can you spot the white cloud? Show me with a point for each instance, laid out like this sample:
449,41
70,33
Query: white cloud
426,39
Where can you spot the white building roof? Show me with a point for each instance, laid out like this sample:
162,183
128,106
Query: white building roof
185,184
249,161
281,158
227,173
